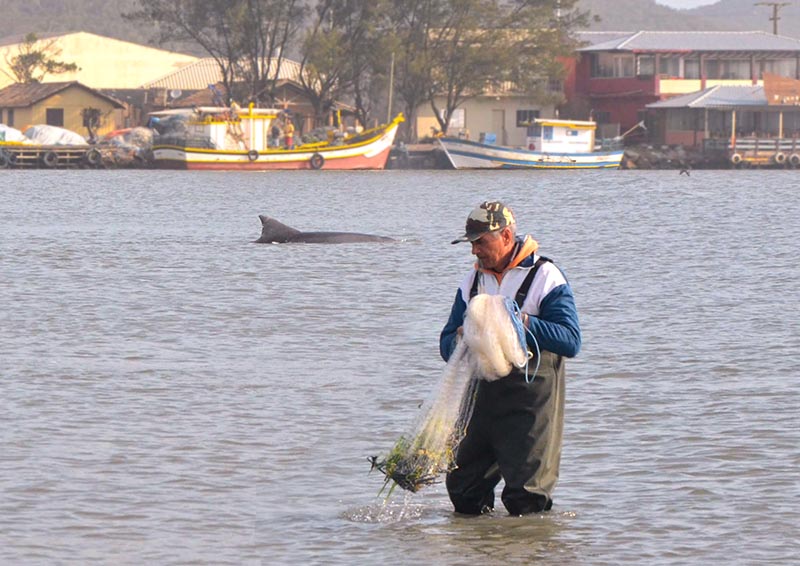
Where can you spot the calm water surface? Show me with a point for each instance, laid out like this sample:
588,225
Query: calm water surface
171,393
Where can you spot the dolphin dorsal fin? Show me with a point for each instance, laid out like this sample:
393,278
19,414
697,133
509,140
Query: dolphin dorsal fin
274,231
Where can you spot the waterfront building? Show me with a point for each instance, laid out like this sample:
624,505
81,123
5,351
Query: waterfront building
67,105
617,75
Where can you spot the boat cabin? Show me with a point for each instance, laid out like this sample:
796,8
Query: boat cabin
561,136
216,127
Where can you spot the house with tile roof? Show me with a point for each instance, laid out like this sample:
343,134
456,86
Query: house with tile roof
617,75
63,104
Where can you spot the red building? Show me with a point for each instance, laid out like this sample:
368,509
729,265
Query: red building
618,74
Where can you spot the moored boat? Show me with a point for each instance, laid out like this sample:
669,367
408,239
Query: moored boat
219,138
552,144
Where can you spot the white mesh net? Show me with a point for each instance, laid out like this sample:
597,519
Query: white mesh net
490,346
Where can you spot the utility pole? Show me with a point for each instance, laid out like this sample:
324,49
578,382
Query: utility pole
776,6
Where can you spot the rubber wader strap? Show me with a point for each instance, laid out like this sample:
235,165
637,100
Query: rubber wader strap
522,292
474,290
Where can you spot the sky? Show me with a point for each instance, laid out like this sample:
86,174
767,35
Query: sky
685,3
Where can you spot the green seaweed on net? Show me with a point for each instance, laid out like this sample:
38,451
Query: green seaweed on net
419,458
414,464
493,343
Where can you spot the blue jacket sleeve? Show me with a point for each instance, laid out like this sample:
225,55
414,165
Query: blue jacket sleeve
556,328
447,339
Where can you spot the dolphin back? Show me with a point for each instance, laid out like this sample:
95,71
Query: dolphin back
274,232
337,238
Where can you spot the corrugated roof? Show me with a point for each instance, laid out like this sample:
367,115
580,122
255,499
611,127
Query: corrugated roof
697,41
21,95
591,38
716,97
204,72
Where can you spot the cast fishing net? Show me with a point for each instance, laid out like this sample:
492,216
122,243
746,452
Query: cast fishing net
493,344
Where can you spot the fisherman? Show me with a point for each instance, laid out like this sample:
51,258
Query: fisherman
288,133
275,135
516,426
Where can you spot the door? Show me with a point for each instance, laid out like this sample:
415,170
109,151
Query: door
499,126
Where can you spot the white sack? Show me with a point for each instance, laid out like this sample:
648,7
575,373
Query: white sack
53,135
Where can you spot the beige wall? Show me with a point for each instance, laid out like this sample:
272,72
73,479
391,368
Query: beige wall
104,62
483,115
72,100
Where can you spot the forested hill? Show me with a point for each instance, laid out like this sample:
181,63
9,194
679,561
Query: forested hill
104,17
636,15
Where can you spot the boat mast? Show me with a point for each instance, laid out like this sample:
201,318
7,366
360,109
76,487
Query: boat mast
391,89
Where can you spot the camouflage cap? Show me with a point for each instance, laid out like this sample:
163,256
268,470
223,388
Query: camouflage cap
489,216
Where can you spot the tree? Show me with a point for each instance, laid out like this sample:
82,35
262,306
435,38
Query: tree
412,24
459,49
246,38
36,59
486,47
341,55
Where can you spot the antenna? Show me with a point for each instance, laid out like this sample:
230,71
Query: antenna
776,6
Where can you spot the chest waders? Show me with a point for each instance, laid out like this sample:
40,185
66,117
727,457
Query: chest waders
514,434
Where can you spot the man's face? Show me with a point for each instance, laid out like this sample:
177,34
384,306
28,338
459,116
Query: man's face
492,249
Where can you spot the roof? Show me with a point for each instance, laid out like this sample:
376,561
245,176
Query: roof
204,72
716,97
11,40
20,37
590,38
21,95
697,41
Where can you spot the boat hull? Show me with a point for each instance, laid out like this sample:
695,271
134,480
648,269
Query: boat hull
371,154
464,154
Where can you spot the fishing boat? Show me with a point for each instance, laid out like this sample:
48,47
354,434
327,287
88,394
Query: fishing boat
220,138
552,144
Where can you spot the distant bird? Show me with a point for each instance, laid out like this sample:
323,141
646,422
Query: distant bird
684,171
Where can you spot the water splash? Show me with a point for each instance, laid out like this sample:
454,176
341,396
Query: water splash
386,511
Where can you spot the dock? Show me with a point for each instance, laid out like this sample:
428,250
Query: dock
20,156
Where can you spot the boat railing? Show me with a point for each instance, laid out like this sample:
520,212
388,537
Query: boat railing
762,144
608,144
753,144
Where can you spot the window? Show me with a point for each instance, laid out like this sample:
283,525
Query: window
645,65
10,117
612,65
782,67
1,115
691,69
458,119
728,69
555,85
670,66
602,117
681,119
55,117
526,117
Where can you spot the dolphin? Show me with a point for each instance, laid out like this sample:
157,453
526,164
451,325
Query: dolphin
274,232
